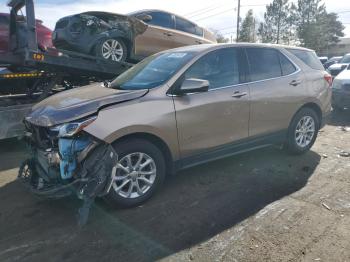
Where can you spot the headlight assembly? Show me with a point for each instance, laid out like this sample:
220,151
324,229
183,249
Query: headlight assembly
72,128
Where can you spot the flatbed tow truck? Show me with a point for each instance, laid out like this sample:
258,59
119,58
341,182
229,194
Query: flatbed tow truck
40,73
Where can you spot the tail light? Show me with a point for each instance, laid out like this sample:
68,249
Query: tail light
329,79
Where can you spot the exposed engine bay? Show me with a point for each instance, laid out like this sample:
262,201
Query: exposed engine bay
66,161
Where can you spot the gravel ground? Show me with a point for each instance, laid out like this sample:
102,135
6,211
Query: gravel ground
259,206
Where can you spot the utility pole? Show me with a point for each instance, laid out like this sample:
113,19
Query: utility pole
238,13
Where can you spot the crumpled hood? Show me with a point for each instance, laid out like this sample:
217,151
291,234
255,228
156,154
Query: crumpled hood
78,103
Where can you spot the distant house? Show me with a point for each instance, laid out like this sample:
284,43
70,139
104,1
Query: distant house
339,49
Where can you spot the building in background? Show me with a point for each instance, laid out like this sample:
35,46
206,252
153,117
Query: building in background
340,49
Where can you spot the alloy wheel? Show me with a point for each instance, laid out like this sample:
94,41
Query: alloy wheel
305,131
112,50
135,175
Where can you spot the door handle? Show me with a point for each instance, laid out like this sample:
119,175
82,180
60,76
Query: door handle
199,42
295,82
168,34
238,94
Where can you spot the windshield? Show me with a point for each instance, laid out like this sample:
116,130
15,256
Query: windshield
152,71
345,60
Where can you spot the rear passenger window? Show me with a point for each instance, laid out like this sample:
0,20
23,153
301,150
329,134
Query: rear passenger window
223,67
161,19
286,65
188,27
264,63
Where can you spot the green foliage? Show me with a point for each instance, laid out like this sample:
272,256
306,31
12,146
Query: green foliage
306,23
317,29
277,20
247,32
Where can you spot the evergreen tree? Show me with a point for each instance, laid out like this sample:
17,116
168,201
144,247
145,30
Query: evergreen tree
275,28
247,32
317,29
220,38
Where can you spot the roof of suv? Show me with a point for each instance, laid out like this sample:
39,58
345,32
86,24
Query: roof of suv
203,47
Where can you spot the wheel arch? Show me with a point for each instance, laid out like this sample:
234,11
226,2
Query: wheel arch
157,141
314,107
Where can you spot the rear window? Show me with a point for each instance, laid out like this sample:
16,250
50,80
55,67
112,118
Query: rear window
308,57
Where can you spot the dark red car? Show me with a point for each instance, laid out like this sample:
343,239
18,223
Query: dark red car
43,33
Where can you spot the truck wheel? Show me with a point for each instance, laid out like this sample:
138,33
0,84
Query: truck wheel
140,172
302,131
112,49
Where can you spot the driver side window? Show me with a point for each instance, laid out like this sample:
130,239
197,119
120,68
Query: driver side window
221,68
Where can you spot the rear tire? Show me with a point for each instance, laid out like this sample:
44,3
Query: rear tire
302,131
137,157
112,49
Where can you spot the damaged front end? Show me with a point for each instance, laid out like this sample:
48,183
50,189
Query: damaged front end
65,160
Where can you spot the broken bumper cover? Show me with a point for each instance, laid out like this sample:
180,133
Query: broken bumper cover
82,166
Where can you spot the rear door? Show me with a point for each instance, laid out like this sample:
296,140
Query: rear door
220,116
158,36
276,89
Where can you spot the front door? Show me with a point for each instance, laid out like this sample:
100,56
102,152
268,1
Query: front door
219,117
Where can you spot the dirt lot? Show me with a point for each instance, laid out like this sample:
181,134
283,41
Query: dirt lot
260,206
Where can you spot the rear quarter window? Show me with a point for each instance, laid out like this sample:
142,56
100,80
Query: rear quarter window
308,57
287,66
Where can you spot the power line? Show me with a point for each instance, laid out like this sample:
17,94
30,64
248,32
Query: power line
202,18
204,12
202,9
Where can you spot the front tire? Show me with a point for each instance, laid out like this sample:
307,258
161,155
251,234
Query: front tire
140,172
302,131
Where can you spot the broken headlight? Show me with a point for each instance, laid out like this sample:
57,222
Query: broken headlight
72,128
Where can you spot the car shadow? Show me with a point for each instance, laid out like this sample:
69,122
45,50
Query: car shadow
340,118
13,150
193,206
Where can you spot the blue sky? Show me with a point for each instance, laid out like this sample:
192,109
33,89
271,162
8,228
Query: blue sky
219,14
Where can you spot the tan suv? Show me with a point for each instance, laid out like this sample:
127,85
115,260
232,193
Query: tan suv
174,110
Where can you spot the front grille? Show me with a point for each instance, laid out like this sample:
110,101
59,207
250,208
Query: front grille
42,137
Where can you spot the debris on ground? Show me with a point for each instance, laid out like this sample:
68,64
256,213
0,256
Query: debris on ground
325,156
344,154
344,128
326,206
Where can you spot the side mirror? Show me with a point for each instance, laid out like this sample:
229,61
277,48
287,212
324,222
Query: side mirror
193,85
144,17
